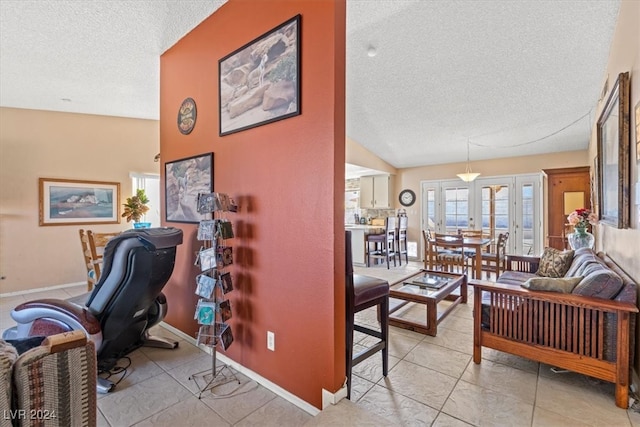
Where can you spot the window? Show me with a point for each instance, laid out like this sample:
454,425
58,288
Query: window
151,185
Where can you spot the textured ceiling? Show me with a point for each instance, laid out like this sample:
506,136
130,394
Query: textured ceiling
515,77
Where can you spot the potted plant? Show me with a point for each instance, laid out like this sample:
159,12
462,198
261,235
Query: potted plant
135,207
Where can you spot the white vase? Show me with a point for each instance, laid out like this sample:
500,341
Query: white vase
581,238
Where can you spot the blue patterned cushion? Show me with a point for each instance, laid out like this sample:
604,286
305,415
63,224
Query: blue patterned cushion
600,283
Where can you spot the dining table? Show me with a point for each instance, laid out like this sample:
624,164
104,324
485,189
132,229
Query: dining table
477,244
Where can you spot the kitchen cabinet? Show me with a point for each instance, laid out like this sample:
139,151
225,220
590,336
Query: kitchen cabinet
376,192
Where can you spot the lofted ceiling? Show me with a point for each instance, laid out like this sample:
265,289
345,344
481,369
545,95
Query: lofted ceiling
511,77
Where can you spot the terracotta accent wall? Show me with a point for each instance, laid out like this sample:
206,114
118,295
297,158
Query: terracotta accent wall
46,144
288,179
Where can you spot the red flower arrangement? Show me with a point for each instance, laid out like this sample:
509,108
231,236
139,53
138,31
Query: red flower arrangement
581,218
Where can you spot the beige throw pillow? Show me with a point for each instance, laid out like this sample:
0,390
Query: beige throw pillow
564,285
554,263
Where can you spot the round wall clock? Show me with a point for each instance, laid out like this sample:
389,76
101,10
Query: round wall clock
187,116
407,197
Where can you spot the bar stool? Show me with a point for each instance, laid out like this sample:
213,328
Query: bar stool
401,238
384,245
363,292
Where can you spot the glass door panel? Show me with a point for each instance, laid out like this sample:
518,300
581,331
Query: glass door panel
496,208
528,221
456,205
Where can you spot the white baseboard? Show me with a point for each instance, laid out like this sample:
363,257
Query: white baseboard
329,398
46,288
305,406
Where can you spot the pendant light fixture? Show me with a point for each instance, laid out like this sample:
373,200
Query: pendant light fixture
468,175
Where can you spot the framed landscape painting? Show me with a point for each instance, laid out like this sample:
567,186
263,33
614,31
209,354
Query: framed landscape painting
613,156
72,202
260,82
184,179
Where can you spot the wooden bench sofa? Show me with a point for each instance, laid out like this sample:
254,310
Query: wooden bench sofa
585,334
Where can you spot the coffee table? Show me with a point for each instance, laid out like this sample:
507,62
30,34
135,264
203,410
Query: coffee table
453,288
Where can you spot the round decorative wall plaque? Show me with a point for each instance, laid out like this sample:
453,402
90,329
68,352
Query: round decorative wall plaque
187,116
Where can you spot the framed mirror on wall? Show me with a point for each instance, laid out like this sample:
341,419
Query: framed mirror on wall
613,156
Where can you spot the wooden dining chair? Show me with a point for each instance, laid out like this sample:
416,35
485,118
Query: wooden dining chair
88,261
495,262
97,243
449,251
471,252
430,255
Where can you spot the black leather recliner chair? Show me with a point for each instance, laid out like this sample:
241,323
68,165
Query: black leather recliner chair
117,314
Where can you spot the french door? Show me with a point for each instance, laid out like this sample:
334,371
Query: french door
494,205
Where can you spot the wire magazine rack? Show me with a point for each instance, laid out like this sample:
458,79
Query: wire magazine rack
213,309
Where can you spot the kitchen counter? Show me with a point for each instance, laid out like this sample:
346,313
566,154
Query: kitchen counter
363,227
358,240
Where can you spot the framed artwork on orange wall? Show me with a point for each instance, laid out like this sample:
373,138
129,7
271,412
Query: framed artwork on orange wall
184,179
260,82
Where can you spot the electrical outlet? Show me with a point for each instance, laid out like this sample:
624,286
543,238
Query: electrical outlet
271,341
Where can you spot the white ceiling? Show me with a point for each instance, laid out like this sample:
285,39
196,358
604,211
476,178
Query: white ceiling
515,77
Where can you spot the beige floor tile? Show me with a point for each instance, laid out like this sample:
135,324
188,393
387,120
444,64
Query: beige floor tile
190,412
140,401
396,408
406,332
141,368
464,310
169,359
634,417
444,360
445,420
544,418
57,293
101,421
419,383
6,321
74,291
503,379
401,345
347,413
234,403
457,323
454,340
277,413
359,387
371,368
583,398
480,406
8,303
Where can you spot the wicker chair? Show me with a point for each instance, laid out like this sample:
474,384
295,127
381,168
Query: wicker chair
55,383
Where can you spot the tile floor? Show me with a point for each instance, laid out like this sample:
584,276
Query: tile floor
431,381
